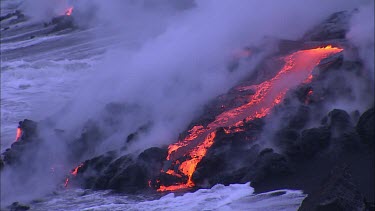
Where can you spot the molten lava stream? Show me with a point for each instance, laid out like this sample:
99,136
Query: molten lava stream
74,172
69,11
297,69
19,133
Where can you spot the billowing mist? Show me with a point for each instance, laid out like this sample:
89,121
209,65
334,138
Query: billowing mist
362,35
170,60
174,72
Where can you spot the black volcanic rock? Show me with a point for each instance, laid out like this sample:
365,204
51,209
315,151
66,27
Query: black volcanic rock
133,137
1,164
231,152
129,179
85,145
208,168
338,192
16,206
338,120
29,130
26,143
167,180
153,154
152,161
62,22
96,173
303,145
125,173
254,166
305,156
344,135
89,171
287,140
267,166
300,118
334,27
314,140
365,127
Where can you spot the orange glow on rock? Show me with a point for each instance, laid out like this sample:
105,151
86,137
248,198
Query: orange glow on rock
309,79
69,11
188,167
193,134
308,96
298,68
19,133
171,172
174,187
75,170
66,182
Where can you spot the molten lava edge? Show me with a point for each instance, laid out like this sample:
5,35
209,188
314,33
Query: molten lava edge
19,133
74,173
69,11
297,69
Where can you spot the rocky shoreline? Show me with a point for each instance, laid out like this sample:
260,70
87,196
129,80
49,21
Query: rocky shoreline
333,161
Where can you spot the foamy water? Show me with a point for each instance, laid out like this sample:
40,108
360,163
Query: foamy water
28,86
219,197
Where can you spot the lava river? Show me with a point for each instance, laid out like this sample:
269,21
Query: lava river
297,69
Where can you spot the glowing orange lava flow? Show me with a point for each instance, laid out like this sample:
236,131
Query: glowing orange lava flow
66,182
19,133
297,69
69,11
75,171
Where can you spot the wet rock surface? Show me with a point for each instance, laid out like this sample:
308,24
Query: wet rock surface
337,192
305,157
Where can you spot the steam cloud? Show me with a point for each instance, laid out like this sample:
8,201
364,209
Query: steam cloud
42,10
171,59
362,35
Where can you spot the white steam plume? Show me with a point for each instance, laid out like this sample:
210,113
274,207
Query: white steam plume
175,72
179,64
362,35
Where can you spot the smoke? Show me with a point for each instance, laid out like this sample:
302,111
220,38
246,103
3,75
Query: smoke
42,10
361,34
41,170
182,62
168,61
350,88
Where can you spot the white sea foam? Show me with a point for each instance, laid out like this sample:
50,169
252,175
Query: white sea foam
25,86
219,197
26,43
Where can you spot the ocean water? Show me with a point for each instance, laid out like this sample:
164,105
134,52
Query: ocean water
219,197
43,72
